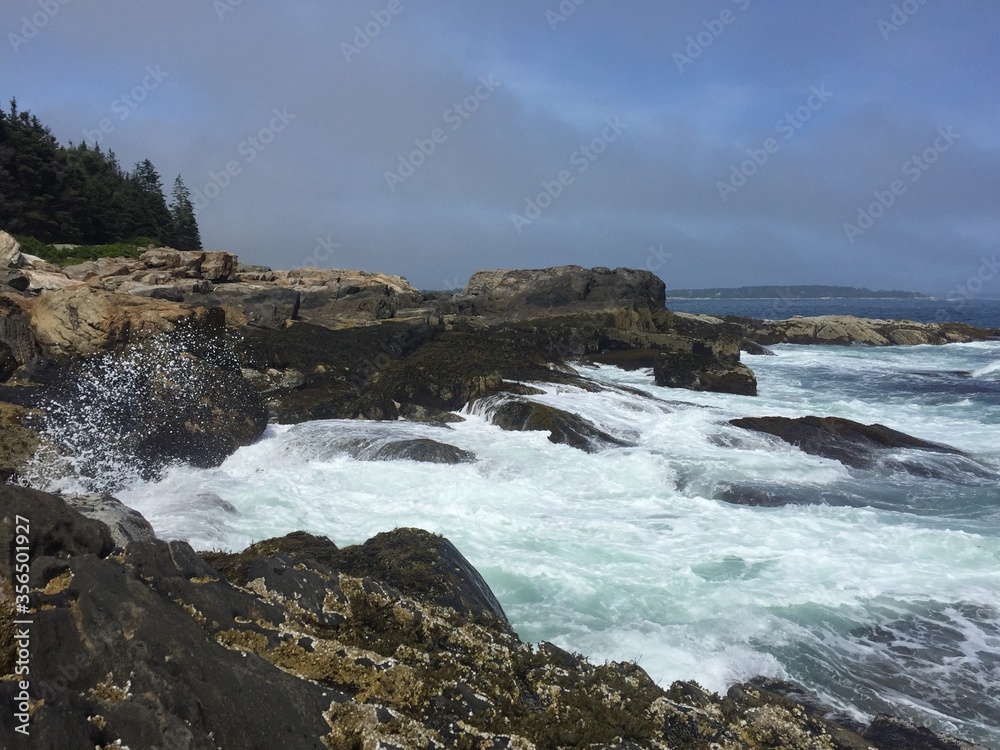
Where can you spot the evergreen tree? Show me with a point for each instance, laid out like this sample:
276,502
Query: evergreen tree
151,217
186,234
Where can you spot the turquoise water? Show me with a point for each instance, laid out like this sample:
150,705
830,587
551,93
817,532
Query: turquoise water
878,591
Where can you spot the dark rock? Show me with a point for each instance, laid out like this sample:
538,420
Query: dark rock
705,366
262,306
419,449
14,279
890,733
15,330
528,293
414,413
152,647
562,426
754,349
424,566
853,444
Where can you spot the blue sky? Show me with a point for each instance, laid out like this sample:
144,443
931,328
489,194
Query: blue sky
702,92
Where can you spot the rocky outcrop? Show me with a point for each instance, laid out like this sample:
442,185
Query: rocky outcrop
10,251
518,415
295,643
85,322
854,444
563,289
701,365
843,330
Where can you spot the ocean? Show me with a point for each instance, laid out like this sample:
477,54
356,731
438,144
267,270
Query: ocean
877,590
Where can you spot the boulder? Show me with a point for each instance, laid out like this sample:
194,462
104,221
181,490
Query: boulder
852,443
10,251
563,427
218,267
424,566
125,524
84,322
529,293
423,450
15,327
14,279
700,365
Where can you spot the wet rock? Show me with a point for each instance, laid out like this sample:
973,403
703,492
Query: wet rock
754,349
294,643
125,524
701,365
424,566
853,444
18,440
563,427
891,733
419,449
414,413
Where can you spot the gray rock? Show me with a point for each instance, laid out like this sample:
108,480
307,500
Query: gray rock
125,524
527,293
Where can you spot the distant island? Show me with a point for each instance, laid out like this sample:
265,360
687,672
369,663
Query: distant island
815,291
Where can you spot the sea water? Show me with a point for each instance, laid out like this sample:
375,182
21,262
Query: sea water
878,590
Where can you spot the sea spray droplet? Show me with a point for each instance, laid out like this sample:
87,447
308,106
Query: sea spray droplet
123,416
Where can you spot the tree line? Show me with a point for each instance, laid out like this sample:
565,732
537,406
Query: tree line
81,195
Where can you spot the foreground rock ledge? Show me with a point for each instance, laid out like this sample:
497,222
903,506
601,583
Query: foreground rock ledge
295,643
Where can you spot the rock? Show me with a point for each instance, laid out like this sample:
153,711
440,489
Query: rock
853,444
754,349
218,267
125,524
84,322
891,733
18,440
414,413
15,279
426,567
10,251
843,330
419,449
563,427
529,293
294,643
262,306
705,366
50,281
15,329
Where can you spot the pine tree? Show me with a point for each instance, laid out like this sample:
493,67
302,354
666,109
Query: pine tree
151,217
186,234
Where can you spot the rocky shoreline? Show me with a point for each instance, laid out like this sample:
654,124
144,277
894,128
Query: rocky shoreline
297,643
186,356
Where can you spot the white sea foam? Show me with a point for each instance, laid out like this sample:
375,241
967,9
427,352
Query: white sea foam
625,553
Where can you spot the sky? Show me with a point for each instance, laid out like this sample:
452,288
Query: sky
714,142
